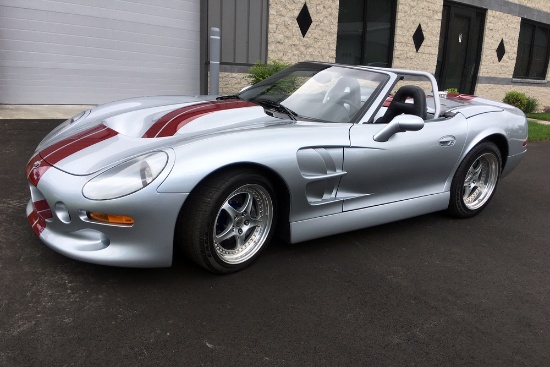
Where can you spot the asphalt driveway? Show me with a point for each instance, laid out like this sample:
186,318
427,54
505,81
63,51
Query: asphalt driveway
428,291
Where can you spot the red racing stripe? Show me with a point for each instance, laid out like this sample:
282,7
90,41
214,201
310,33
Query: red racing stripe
35,173
460,97
170,123
43,209
38,223
40,163
77,143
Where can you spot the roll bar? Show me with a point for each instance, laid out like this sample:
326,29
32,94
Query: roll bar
430,77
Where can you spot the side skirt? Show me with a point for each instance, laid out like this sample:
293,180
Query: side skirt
310,229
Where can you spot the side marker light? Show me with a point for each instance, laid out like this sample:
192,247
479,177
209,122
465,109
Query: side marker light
111,218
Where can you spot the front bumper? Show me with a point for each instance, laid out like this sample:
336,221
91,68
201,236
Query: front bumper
66,229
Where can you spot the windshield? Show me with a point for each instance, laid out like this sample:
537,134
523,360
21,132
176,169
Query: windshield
318,92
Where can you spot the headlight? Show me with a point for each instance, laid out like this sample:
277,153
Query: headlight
126,178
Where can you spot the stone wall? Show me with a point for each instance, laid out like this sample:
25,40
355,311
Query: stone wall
499,26
497,92
285,41
410,13
231,83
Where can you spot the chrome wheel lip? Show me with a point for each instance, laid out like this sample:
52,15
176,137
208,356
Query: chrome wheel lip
480,181
249,225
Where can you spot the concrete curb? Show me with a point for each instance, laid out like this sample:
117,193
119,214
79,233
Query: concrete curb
539,121
40,112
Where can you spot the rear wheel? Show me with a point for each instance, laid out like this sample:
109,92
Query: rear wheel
475,181
228,220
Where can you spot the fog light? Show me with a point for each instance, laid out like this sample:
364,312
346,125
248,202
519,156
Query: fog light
111,218
62,212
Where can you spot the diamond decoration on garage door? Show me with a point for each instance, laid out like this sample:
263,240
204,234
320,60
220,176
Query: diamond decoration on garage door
501,50
418,37
304,20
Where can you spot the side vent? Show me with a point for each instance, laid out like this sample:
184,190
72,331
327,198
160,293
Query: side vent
322,167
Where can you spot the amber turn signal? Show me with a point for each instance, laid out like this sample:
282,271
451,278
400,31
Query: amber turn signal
111,218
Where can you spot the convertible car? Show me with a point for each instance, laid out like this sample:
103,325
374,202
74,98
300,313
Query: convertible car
315,150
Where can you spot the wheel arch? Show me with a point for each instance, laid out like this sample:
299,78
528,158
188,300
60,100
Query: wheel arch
282,193
495,137
502,144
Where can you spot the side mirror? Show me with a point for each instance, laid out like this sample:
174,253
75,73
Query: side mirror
399,124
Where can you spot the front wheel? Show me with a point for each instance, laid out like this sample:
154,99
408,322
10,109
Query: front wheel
475,181
228,220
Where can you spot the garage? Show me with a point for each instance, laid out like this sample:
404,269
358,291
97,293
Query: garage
82,52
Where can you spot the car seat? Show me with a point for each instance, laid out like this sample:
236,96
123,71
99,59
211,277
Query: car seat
399,105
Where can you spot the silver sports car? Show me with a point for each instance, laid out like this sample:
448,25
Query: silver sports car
316,150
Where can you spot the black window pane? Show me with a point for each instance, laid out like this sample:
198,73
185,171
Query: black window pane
524,48
540,50
533,51
351,18
444,23
365,32
378,35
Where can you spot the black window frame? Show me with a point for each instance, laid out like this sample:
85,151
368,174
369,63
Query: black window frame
391,44
535,25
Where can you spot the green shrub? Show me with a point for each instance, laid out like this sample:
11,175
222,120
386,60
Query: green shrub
531,106
260,71
452,90
516,99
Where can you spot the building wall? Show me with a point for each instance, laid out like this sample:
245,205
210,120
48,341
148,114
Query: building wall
499,26
497,92
495,78
232,83
543,5
411,13
285,41
85,52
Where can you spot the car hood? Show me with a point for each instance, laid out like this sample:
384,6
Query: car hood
112,133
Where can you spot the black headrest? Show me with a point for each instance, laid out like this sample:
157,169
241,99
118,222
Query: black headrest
399,106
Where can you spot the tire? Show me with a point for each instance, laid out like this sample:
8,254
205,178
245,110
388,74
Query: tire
227,221
475,181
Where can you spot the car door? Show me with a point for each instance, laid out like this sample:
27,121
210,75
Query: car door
410,164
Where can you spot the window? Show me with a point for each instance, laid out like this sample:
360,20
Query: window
366,32
533,47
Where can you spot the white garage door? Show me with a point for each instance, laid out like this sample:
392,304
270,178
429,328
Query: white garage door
93,51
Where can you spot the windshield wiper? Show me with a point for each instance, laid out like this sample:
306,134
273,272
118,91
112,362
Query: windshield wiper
231,96
278,107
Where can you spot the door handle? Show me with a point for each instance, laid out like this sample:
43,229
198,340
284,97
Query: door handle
447,141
